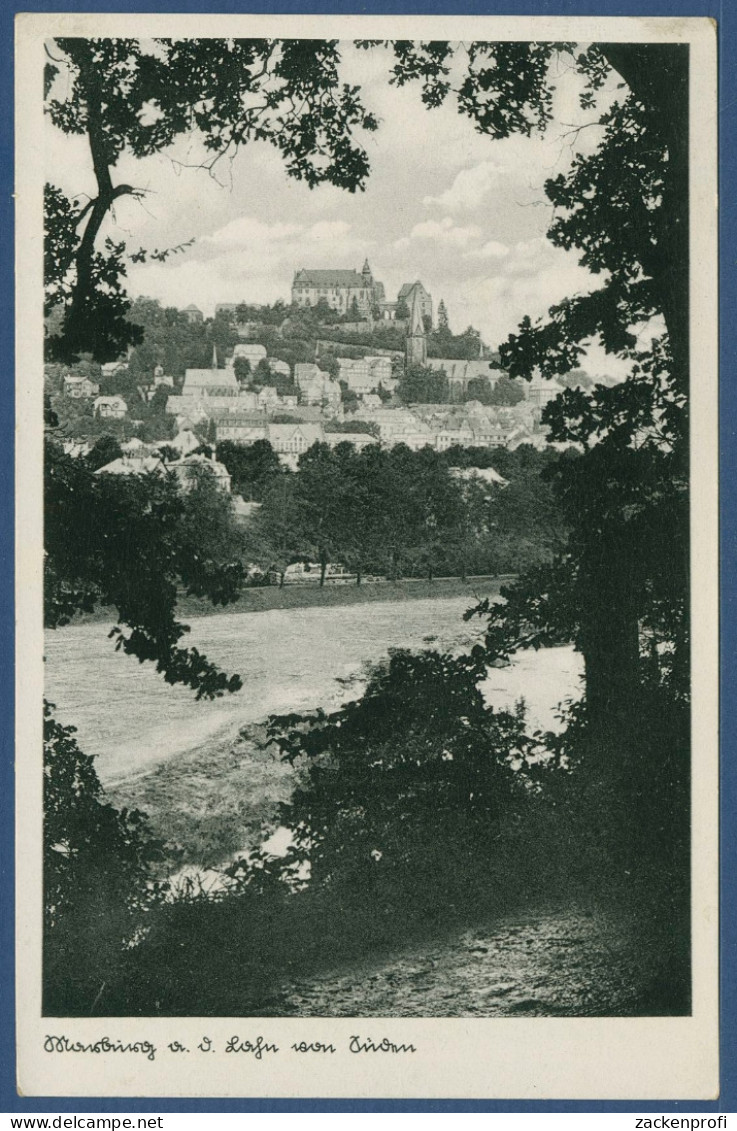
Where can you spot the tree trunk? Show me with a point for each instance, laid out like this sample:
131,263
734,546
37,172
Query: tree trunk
81,313
658,76
323,567
358,575
611,650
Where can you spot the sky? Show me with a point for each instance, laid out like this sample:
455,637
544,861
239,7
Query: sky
463,213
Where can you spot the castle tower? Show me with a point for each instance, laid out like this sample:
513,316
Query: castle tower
415,346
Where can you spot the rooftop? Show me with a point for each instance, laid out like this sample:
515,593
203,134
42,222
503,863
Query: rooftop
209,378
329,278
405,289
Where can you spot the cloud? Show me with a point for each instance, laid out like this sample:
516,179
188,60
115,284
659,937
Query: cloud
443,231
470,187
250,243
492,249
530,257
251,260
499,301
246,231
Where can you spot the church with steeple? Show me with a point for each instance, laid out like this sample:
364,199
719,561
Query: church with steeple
415,345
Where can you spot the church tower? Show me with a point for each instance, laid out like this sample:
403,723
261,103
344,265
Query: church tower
415,347
367,277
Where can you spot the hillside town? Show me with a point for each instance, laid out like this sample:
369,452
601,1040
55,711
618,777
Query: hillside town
352,390
368,631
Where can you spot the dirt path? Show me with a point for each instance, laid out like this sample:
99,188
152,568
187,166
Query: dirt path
575,963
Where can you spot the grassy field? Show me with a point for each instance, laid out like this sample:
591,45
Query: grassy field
261,598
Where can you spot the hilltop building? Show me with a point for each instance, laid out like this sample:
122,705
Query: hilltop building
407,294
407,291
343,291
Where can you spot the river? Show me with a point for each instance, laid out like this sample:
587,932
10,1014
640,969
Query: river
131,720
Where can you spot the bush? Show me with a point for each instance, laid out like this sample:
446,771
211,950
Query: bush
405,792
100,881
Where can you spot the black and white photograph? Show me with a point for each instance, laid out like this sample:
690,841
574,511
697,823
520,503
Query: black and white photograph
369,410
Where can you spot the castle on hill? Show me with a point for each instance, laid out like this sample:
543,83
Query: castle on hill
350,292
344,291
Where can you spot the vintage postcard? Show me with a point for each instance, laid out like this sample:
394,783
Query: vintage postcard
367,557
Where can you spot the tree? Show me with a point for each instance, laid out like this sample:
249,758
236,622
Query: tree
252,467
159,400
329,364
422,385
242,370
169,339
404,827
323,310
264,376
348,397
103,451
100,876
278,527
469,344
130,542
357,517
505,392
463,347
440,512
320,495
625,208
479,389
132,99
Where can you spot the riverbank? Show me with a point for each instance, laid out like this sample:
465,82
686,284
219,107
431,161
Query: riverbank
259,599
212,803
